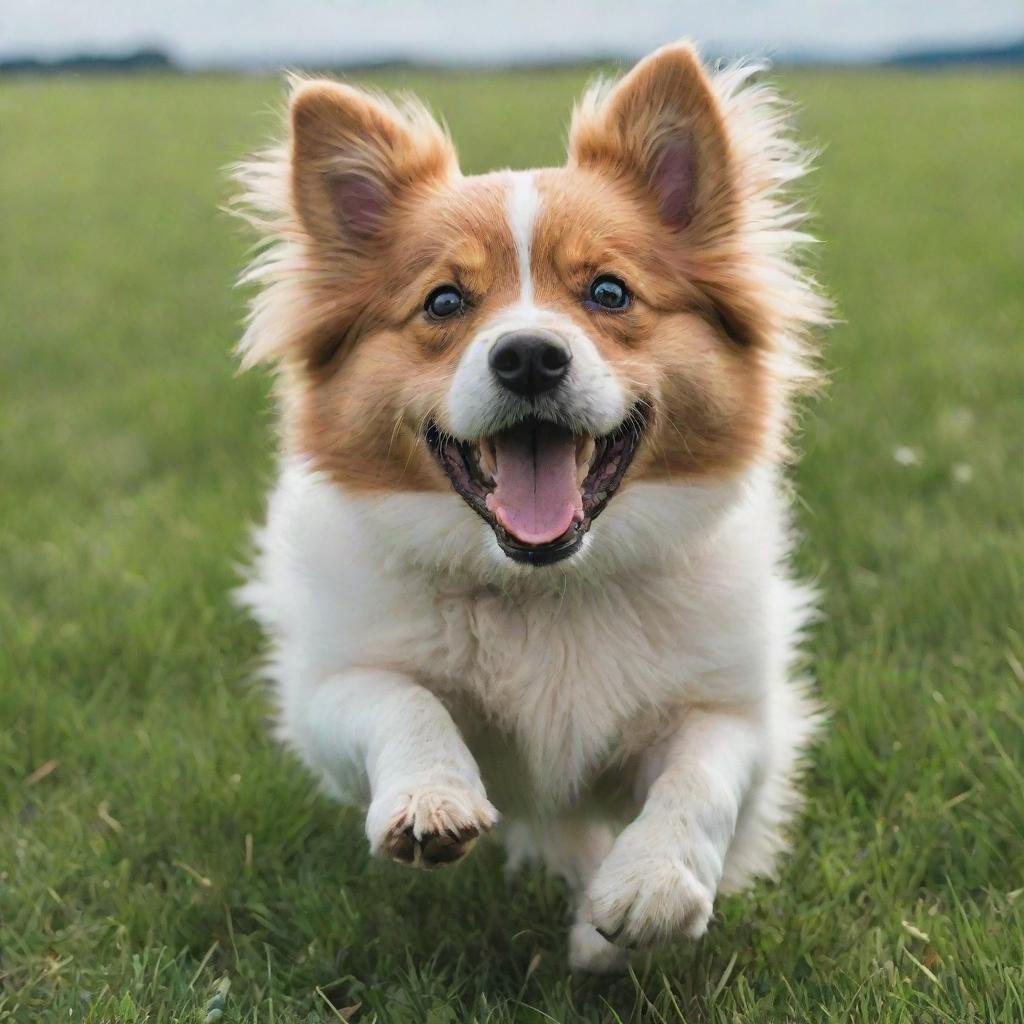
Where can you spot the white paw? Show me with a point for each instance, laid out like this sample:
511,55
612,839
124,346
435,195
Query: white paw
593,953
431,823
655,885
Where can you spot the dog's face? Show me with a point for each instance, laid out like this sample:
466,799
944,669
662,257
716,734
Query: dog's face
534,340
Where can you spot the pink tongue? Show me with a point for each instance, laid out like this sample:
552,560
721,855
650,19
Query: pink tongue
535,498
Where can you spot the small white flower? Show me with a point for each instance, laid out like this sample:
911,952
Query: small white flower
906,456
963,473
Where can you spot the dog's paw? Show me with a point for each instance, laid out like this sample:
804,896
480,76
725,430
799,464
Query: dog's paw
592,953
654,887
429,824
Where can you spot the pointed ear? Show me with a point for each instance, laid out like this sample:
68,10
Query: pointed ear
356,156
661,127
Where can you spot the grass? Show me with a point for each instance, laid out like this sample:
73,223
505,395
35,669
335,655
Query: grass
153,840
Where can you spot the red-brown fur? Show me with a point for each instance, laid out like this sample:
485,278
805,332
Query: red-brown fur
711,345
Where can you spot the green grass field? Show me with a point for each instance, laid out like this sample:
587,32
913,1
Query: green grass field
153,839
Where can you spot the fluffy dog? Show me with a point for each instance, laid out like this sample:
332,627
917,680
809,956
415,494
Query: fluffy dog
527,549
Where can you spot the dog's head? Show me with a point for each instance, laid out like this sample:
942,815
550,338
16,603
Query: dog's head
535,341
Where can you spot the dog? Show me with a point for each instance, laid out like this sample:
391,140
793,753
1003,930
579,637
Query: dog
527,553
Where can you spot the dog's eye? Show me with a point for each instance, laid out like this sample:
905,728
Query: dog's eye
444,302
609,293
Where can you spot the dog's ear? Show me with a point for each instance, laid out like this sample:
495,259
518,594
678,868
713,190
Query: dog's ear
660,127
356,157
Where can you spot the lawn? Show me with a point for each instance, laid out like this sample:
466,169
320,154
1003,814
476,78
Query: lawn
154,840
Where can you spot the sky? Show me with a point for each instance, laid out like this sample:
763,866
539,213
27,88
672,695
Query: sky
270,32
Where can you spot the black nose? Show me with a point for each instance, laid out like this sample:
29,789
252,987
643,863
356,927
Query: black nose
529,362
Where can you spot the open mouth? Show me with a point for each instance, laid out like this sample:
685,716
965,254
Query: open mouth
537,485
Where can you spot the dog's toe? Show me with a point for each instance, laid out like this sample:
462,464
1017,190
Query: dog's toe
441,848
434,827
400,845
432,849
591,952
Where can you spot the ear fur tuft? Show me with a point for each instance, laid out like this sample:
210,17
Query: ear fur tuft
356,155
661,128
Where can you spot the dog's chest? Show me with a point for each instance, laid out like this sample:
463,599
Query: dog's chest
574,680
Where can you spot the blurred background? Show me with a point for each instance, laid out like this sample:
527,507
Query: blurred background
237,35
152,838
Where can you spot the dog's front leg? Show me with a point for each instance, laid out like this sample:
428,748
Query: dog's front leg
660,878
427,801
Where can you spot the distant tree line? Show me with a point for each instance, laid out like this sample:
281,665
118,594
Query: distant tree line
154,59
90,63
1012,53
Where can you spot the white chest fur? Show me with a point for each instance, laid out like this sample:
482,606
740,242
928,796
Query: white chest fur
576,669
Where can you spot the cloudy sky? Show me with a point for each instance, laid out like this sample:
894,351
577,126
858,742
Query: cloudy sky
321,31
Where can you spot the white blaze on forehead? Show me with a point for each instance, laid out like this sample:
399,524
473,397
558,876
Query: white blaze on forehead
477,405
523,202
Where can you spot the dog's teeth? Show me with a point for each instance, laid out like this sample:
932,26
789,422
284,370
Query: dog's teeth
585,449
488,464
